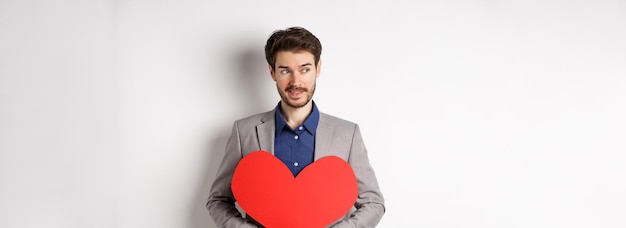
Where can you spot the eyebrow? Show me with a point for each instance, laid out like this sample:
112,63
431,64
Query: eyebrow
303,65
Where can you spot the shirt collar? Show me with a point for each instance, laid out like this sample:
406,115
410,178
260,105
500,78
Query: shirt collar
310,124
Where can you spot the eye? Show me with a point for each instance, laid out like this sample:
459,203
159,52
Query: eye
304,70
284,71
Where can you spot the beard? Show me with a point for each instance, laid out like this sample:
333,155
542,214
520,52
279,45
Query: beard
293,104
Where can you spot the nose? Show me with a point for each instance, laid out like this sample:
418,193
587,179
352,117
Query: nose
294,77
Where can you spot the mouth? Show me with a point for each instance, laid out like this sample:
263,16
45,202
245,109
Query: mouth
295,92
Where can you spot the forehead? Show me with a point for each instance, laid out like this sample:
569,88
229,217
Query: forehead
294,58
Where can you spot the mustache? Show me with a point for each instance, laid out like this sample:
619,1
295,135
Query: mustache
296,88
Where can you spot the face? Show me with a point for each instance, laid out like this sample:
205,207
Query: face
295,76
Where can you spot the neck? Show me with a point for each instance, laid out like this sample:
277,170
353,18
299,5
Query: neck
296,116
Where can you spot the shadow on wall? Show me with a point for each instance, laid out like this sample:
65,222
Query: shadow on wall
254,79
215,150
250,97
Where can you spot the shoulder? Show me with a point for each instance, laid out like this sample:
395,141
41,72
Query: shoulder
337,122
255,119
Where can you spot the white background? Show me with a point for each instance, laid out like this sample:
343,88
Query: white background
485,114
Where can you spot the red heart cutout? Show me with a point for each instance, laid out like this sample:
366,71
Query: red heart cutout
266,190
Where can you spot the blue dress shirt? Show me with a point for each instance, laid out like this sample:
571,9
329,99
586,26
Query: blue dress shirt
295,147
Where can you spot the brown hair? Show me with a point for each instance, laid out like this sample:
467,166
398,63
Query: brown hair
292,39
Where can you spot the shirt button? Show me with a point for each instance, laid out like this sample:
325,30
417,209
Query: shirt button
295,164
300,128
295,137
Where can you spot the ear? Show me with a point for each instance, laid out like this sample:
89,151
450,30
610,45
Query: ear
319,68
272,72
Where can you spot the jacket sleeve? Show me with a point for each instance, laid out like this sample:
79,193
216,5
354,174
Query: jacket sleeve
370,202
221,202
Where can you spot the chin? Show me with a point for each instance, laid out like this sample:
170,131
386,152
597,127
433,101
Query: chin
296,104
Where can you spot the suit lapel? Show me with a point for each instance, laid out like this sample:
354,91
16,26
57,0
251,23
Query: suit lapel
265,132
323,138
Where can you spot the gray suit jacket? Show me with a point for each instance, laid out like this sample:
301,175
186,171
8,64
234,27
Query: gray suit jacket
333,136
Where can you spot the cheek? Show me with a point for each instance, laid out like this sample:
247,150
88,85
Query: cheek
282,83
311,82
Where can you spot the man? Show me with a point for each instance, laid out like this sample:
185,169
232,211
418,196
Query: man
297,133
